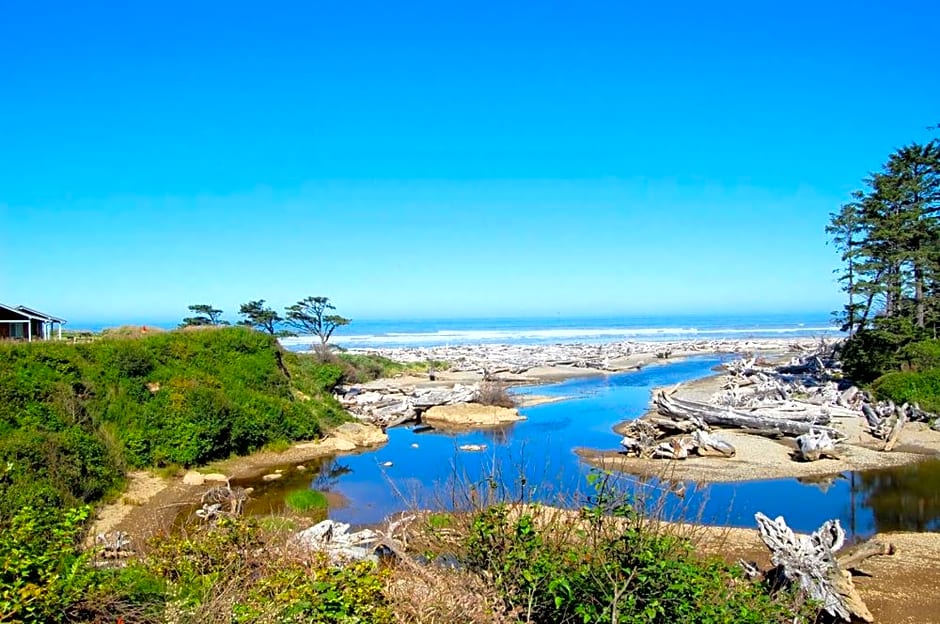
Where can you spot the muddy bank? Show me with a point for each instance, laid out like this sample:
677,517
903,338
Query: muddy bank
150,503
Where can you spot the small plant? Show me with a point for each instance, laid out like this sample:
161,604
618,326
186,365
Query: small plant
306,500
440,521
494,393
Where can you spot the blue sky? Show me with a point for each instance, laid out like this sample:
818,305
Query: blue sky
445,158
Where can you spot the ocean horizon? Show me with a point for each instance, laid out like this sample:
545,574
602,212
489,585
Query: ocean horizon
429,332
401,333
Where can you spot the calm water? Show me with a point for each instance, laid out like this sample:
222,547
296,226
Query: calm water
534,459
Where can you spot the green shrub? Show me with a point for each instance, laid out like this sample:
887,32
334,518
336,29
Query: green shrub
73,415
306,500
229,573
605,563
363,367
921,356
46,577
921,388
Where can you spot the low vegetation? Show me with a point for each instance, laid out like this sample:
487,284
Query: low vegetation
495,393
74,416
496,564
306,500
362,367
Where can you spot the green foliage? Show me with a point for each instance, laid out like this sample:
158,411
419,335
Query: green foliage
206,315
363,367
871,353
921,356
604,565
889,239
256,314
230,573
306,500
317,592
310,316
922,388
73,415
46,577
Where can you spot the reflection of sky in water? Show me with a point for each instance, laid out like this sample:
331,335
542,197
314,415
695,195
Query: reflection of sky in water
535,459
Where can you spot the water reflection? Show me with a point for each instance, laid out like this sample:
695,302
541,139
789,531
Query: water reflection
903,498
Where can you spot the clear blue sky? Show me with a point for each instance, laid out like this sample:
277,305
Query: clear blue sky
445,158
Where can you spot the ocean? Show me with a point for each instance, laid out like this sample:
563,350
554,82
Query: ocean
560,329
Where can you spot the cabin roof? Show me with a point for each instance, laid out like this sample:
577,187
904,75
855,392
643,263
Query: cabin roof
18,315
38,315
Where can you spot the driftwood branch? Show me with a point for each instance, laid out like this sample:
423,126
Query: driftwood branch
812,563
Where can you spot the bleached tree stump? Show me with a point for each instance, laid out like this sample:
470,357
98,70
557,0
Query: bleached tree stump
810,562
815,445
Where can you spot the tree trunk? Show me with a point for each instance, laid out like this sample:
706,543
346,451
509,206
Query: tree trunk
919,294
681,411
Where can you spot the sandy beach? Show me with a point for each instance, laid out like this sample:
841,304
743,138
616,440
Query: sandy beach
760,457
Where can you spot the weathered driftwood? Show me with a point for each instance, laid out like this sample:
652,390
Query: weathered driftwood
894,433
885,420
682,410
811,563
645,443
708,445
392,406
815,445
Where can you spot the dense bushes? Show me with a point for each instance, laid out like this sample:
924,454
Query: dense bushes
909,387
899,364
72,415
598,570
226,573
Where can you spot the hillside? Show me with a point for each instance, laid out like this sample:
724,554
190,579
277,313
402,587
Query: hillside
73,417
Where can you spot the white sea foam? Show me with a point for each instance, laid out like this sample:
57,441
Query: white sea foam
560,335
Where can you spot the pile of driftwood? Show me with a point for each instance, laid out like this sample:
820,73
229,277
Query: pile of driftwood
389,406
818,564
516,359
341,546
799,399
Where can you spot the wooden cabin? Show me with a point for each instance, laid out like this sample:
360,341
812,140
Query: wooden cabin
22,323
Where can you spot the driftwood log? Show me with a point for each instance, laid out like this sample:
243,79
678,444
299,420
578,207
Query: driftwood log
885,420
708,445
645,443
685,414
815,445
815,565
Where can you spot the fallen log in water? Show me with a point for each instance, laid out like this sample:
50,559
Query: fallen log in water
812,563
680,411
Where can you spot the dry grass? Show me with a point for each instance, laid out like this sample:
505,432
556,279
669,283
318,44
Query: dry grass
494,393
443,595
